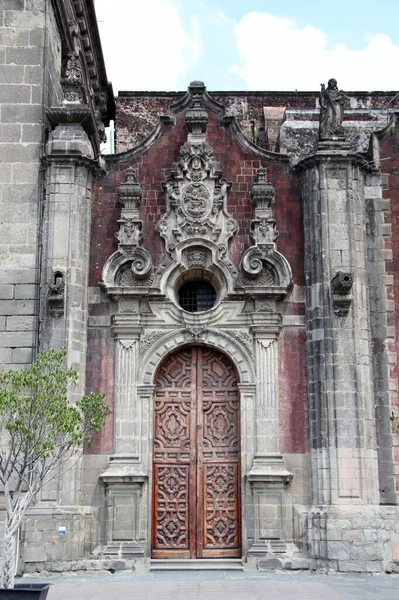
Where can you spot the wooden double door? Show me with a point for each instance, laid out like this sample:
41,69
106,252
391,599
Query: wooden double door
196,457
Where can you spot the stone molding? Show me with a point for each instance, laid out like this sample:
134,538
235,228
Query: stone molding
220,339
196,89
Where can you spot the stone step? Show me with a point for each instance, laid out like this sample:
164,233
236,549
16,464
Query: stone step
196,564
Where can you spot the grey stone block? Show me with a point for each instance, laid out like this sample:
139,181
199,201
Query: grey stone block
10,132
16,307
15,340
350,567
36,37
20,94
12,4
2,324
25,292
270,564
36,94
20,323
31,132
18,275
6,292
5,174
32,74
11,73
21,113
17,153
23,55
23,18
19,193
5,355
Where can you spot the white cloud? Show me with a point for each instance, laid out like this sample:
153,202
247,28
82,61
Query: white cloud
145,45
276,54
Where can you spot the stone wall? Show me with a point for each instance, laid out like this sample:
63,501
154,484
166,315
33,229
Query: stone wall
30,67
388,223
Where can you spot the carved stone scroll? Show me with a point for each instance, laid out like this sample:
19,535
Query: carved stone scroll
261,264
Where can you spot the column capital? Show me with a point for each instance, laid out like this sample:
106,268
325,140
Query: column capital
269,331
125,327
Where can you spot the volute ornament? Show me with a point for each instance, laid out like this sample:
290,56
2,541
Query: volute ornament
261,265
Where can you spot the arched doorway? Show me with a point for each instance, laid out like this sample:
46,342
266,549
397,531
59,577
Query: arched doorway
196,456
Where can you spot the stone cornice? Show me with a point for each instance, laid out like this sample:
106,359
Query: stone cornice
334,156
230,122
77,23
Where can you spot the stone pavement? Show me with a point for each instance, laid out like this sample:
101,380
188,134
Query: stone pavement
222,585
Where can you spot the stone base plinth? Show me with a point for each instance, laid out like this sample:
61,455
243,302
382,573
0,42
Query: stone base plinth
353,538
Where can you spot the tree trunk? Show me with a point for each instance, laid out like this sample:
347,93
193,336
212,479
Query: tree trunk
8,570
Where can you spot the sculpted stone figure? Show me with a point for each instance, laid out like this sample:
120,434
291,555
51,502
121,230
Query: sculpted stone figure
332,103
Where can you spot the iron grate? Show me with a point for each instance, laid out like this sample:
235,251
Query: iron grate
197,296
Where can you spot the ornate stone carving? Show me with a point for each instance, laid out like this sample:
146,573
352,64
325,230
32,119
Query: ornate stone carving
196,331
262,192
196,116
128,279
331,110
341,287
261,264
130,193
265,278
263,231
148,339
72,82
130,235
196,192
196,258
243,337
127,305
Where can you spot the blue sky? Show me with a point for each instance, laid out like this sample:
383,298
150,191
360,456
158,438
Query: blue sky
252,44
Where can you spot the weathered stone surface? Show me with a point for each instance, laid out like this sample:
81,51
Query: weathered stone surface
270,564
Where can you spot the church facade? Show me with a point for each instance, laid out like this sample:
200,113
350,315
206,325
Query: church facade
228,279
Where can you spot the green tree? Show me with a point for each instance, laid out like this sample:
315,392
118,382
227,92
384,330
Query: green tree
40,432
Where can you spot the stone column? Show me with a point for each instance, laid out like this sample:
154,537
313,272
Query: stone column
127,411
268,477
126,477
341,403
65,264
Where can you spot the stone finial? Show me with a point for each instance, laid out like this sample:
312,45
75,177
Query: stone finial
262,192
130,192
196,116
332,103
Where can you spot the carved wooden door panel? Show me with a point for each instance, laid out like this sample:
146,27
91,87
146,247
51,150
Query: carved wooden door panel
196,458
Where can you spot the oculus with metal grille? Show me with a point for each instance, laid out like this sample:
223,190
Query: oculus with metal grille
197,296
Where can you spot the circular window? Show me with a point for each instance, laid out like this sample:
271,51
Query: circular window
197,296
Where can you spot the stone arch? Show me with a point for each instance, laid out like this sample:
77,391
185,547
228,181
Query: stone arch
238,350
